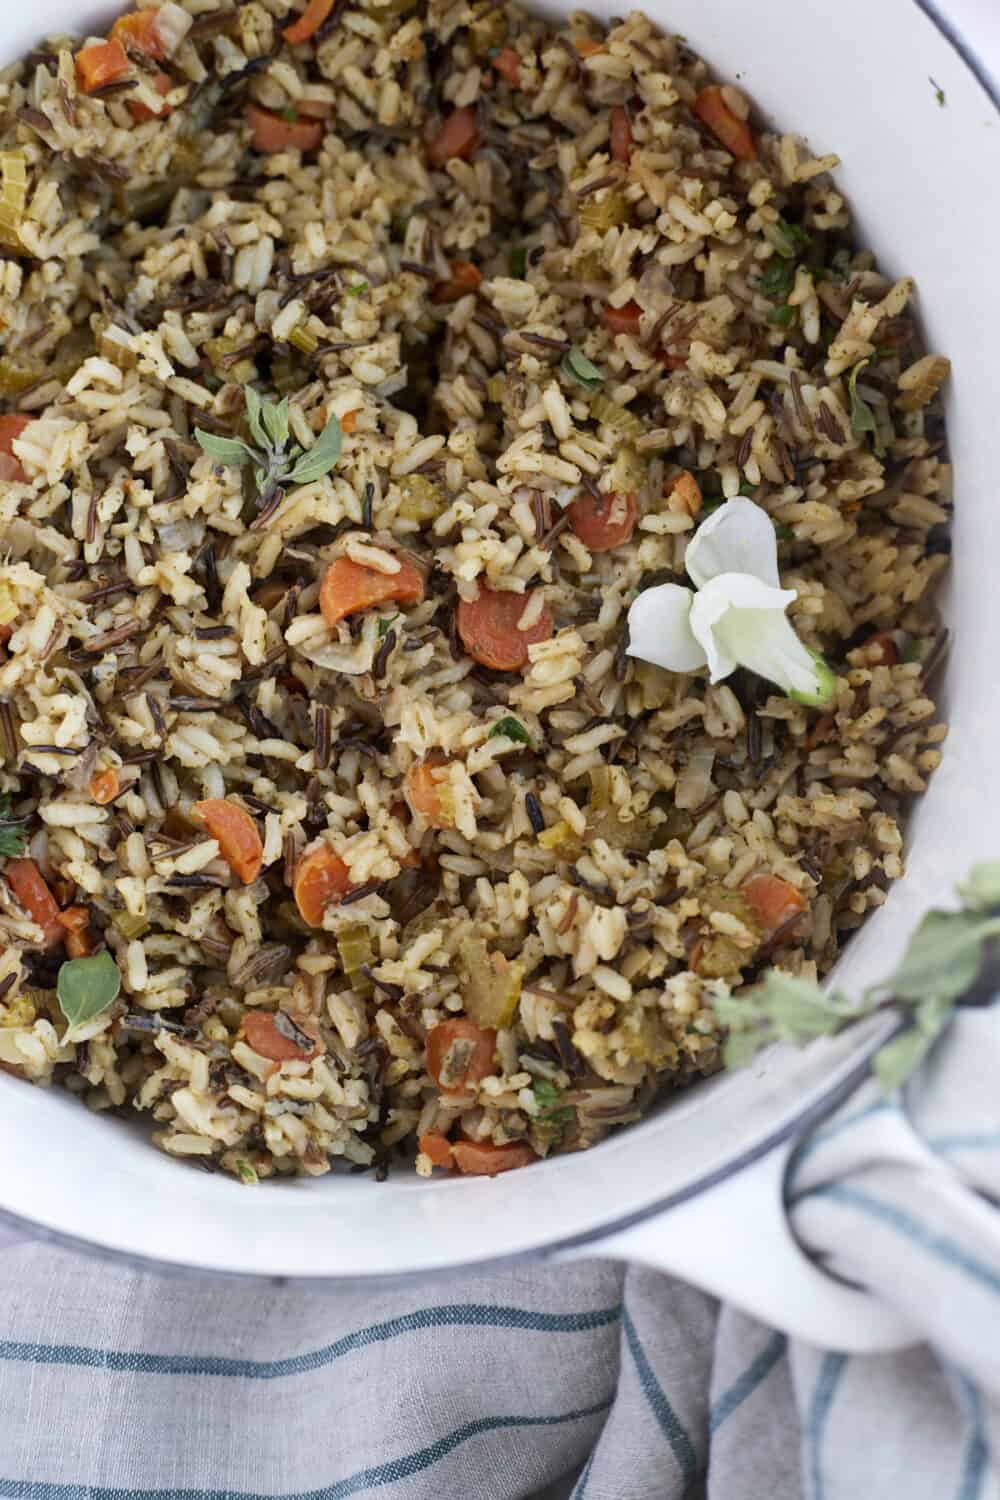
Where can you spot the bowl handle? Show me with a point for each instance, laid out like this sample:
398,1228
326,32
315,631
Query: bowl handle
733,1240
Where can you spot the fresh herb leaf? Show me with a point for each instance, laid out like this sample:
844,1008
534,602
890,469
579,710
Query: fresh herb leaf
792,239
321,456
783,316
898,1059
255,405
13,831
782,1008
578,367
862,416
943,957
245,1172
746,488
552,1109
275,422
782,532
86,987
518,262
777,280
981,888
939,92
290,116
385,625
224,450
358,290
511,729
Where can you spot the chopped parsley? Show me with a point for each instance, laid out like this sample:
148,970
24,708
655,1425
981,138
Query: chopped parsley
578,367
13,831
777,280
518,262
792,239
511,729
783,316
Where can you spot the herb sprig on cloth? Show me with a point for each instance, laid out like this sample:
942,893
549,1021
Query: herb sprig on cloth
940,965
274,463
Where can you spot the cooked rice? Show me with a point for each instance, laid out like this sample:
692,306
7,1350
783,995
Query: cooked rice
161,266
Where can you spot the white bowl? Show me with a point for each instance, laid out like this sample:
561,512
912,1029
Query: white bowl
855,78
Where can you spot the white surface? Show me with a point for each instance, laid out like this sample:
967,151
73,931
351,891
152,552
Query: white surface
923,180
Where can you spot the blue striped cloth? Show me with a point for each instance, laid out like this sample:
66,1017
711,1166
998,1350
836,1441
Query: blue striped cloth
592,1381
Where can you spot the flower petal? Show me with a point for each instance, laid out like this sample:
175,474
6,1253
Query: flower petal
741,621
737,538
659,629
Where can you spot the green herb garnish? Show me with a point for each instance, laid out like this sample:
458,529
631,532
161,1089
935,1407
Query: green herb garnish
385,625
862,416
941,963
552,1109
792,239
511,729
746,489
518,261
782,532
939,92
13,831
86,987
290,116
358,290
578,367
274,463
777,280
783,316
245,1172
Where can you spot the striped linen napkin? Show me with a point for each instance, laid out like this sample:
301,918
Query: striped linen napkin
590,1380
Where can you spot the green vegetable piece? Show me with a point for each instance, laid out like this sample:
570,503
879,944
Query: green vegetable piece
321,456
13,831
782,532
550,1102
290,116
862,416
245,1172
783,316
86,987
224,450
578,367
518,262
358,290
792,239
386,624
511,729
777,280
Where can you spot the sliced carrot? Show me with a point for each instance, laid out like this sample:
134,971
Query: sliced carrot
273,133
25,880
605,521
321,880
586,46
311,19
75,920
464,279
239,842
484,1159
621,135
103,63
880,650
162,83
508,64
423,789
734,133
349,586
436,1146
104,786
458,136
349,421
140,30
11,426
489,629
622,319
688,491
464,1049
6,631
262,1032
774,902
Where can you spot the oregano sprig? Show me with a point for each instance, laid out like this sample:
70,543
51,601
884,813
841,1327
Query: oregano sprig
941,964
275,464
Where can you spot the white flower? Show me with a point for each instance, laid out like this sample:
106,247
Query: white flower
736,615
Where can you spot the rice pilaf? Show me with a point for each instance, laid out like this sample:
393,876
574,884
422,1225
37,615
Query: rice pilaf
395,849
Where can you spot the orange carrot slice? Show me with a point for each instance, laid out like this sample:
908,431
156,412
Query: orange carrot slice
311,19
104,786
349,586
586,46
622,319
140,30
603,522
25,880
101,64
75,921
236,832
263,1034
508,64
162,83
688,491
458,136
464,279
489,629
774,902
349,421
422,789
480,1045
436,1146
621,135
11,427
484,1159
273,133
734,133
321,880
